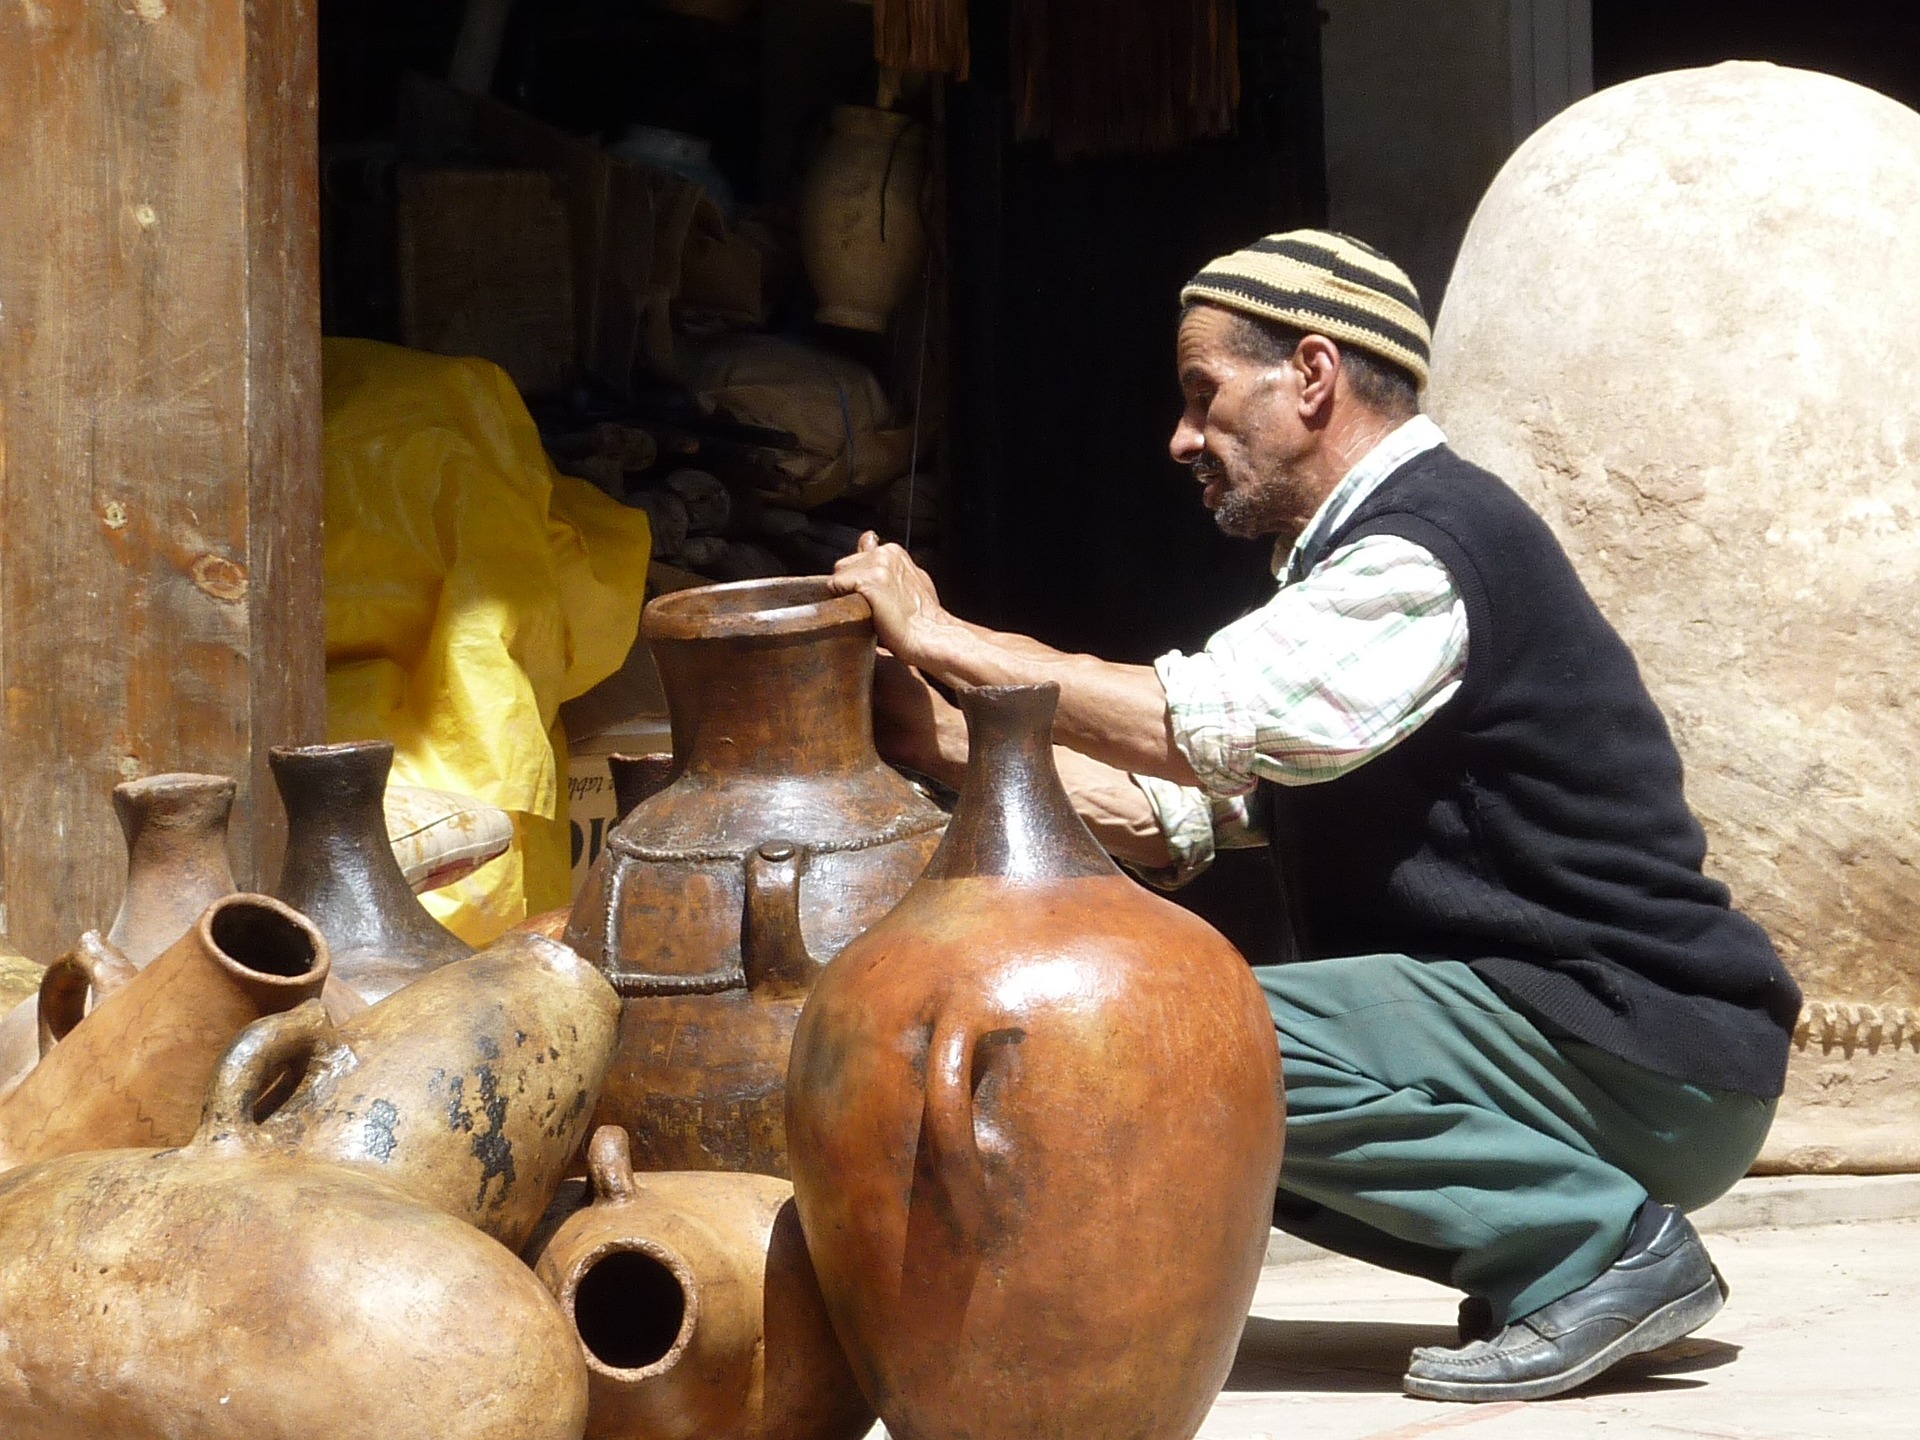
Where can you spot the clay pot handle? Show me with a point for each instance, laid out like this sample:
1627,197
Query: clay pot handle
265,1051
610,1162
772,950
949,1125
95,964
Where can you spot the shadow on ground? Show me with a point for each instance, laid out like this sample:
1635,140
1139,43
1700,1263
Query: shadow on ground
1365,1356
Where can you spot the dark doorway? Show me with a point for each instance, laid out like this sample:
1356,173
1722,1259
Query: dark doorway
1871,42
1072,522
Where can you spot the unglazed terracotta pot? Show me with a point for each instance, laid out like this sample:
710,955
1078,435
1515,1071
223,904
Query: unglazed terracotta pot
135,1070
697,1309
1035,1120
470,1089
176,829
176,832
861,235
340,869
781,836
218,1293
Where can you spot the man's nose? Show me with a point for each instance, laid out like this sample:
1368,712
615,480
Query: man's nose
1187,445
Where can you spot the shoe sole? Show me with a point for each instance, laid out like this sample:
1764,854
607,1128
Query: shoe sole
1672,1321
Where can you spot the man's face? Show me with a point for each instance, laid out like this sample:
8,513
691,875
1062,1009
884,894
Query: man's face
1241,429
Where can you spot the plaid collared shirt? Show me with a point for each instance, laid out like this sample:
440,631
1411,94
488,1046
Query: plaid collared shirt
1352,655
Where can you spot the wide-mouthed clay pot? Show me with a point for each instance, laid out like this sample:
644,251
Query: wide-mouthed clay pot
697,1309
780,837
134,1071
470,1089
215,1292
340,871
1035,1120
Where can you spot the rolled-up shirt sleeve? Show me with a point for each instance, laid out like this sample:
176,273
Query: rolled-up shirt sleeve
1338,667
1195,825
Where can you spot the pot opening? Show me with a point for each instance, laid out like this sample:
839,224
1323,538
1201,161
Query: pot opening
629,1309
264,939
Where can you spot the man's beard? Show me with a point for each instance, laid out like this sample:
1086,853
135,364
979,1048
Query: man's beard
1247,512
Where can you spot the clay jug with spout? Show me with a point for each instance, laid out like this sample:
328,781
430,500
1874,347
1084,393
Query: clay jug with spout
781,836
134,1071
697,1309
221,1291
340,871
1035,1120
861,235
470,1089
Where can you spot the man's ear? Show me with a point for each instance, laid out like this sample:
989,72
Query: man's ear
1317,361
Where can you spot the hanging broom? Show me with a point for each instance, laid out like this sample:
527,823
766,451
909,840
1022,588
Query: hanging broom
924,35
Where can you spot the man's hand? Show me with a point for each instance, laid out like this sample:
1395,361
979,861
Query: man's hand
906,607
914,725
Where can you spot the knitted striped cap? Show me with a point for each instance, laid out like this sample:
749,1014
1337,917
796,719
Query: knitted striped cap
1326,284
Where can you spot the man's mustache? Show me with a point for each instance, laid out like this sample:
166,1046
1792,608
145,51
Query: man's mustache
1207,469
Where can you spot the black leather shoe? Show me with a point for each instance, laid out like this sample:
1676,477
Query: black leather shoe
1663,1286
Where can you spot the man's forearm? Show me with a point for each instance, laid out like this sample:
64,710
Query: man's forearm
1116,714
1115,809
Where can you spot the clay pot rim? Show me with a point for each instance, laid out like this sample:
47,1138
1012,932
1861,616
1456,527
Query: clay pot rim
661,1254
319,969
279,754
177,780
753,610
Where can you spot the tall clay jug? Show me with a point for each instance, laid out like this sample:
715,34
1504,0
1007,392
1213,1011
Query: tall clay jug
1035,1120
697,1309
213,1292
340,870
135,1070
781,836
861,235
470,1089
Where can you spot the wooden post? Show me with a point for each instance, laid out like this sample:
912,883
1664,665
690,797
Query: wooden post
160,580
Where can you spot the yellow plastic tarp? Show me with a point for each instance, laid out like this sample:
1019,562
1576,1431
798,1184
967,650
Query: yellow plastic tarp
470,589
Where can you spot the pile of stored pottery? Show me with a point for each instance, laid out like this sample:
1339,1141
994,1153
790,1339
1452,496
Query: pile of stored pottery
993,1098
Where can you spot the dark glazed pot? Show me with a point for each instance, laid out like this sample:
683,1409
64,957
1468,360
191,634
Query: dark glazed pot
781,836
340,870
698,1313
1035,1120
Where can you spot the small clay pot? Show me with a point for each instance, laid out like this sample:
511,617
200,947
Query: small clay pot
1035,1122
134,1071
176,829
697,1309
214,1292
340,871
470,1089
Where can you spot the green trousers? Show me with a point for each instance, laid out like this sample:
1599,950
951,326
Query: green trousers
1435,1129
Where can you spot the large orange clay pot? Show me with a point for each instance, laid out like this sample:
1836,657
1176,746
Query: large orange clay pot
1035,1119
470,1089
217,1293
135,1070
340,870
781,836
697,1309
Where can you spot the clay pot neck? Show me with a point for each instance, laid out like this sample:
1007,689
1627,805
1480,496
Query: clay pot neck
767,677
340,868
177,864
1014,820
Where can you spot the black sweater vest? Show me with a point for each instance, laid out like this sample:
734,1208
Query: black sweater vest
1535,826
